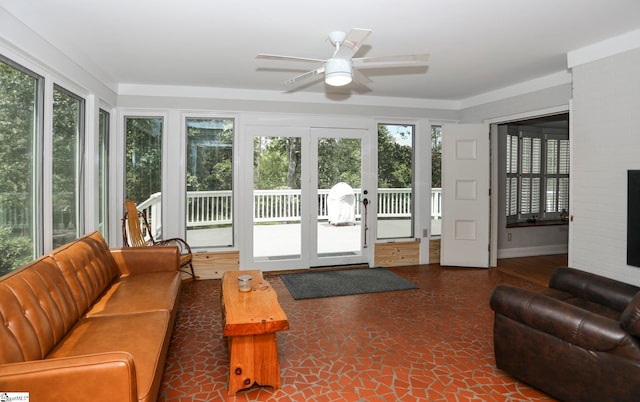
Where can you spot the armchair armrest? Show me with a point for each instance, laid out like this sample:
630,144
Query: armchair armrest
182,245
132,260
562,320
595,288
99,377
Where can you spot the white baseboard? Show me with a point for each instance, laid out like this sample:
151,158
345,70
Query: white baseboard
532,251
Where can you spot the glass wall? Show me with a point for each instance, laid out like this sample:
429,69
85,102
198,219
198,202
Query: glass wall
436,181
68,134
209,181
103,172
20,131
143,167
395,181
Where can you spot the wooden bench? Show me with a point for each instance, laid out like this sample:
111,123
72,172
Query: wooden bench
251,320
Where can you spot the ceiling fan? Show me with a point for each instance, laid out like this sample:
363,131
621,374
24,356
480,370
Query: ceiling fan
341,68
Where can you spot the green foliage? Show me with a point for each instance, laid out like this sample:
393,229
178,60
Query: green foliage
143,157
15,250
66,134
18,95
17,129
395,160
276,162
339,160
209,156
436,157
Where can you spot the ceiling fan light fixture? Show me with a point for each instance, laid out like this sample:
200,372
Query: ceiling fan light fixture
337,72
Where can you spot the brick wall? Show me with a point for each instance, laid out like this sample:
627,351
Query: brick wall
605,143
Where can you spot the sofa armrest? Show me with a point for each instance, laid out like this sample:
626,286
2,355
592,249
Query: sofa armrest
99,377
136,260
595,288
570,323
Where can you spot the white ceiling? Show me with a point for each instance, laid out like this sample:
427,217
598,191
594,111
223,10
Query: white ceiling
475,46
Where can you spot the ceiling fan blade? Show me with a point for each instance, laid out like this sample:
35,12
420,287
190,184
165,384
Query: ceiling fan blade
409,60
360,78
281,57
304,76
352,43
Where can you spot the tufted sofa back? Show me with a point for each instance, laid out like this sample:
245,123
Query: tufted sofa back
88,268
39,303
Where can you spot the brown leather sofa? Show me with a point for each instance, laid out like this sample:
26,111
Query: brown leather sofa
577,340
89,323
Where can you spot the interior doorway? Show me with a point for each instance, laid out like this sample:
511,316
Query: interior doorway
533,160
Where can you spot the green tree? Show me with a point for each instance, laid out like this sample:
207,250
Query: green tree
18,100
436,157
339,160
395,167
276,163
17,133
143,157
209,158
67,114
15,250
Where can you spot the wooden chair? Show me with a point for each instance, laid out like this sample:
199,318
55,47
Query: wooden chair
133,235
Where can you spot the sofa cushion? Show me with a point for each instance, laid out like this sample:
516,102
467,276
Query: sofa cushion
36,311
88,268
139,293
569,298
145,336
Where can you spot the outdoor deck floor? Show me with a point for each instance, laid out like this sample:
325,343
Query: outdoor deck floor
285,239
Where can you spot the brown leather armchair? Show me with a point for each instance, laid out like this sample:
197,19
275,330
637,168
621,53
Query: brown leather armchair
577,340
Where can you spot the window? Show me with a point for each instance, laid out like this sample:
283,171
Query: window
21,98
68,135
537,174
395,181
436,181
103,173
209,182
143,153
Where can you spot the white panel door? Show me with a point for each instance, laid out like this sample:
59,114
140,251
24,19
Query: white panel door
465,195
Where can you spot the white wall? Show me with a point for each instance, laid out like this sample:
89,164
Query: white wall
605,143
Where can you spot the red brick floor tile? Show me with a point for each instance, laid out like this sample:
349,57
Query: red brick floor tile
434,343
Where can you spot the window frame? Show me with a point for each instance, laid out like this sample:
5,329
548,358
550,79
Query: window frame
414,130
36,232
79,170
204,117
516,175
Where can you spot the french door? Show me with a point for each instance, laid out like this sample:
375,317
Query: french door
308,189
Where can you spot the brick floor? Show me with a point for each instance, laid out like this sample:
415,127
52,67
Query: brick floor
429,344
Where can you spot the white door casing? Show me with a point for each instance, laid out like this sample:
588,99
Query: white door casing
465,195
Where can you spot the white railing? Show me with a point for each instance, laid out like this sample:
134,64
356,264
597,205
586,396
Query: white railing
205,208
215,207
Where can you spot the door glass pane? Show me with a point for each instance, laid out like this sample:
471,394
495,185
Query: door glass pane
19,99
143,184
68,118
339,183
436,180
103,173
277,196
395,181
209,182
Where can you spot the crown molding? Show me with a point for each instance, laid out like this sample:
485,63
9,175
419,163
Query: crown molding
522,88
606,48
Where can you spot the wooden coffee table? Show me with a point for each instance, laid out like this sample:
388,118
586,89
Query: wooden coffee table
251,320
